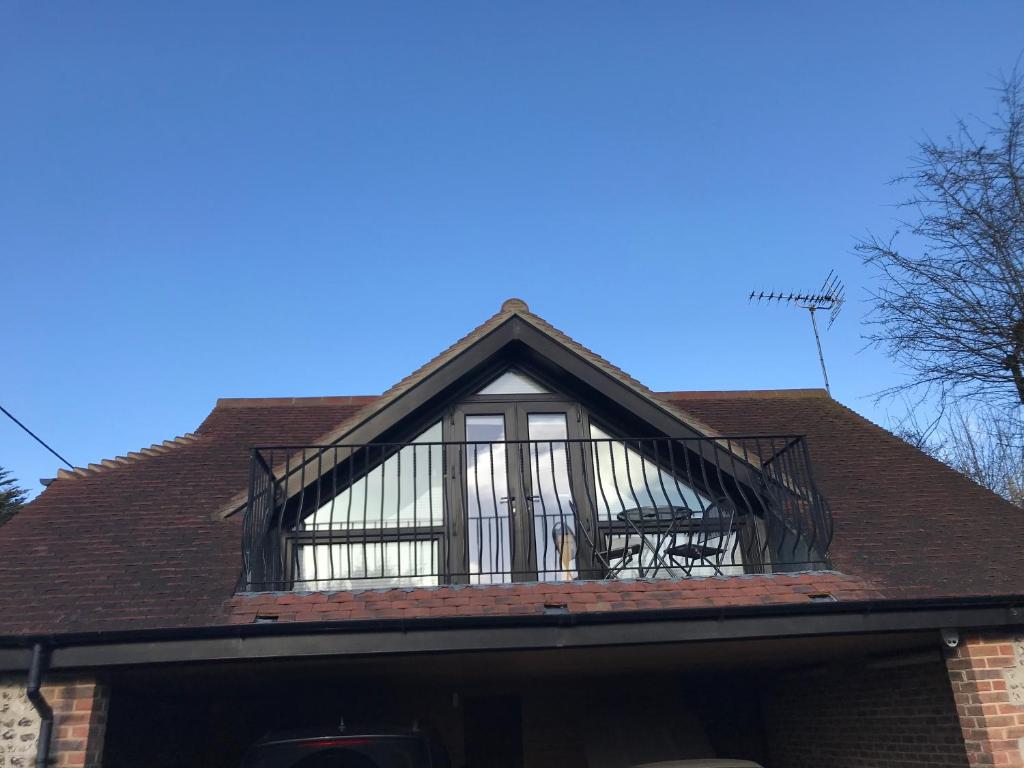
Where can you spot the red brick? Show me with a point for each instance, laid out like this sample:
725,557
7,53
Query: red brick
991,725
79,723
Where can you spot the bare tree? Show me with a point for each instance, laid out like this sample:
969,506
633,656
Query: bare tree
982,442
951,309
986,446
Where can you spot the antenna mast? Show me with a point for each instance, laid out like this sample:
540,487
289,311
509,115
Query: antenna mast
830,296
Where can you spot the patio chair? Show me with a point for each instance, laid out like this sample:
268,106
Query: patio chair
706,540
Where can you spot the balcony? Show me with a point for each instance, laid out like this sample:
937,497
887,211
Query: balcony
432,512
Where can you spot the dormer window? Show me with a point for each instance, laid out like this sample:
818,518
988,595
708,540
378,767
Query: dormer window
529,462
517,482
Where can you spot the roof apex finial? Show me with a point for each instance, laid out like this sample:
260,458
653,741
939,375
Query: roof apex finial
514,305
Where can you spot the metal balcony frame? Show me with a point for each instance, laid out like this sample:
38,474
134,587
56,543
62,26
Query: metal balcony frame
787,505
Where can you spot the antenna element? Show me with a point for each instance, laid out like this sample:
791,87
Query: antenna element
830,296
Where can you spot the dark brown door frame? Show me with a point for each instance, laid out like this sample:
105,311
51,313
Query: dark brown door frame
458,563
515,410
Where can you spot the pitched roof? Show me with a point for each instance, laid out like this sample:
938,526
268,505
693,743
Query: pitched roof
135,546
511,308
902,518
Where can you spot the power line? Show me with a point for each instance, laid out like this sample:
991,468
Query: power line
37,438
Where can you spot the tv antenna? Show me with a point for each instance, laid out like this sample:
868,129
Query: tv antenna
830,296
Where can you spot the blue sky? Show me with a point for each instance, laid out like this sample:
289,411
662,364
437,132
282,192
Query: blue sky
252,199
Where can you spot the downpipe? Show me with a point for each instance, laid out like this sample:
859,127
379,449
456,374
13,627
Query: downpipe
40,663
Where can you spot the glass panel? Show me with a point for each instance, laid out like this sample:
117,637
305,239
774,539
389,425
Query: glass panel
628,481
487,500
553,513
366,565
654,524
513,383
405,491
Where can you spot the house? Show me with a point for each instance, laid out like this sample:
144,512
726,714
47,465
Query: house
527,552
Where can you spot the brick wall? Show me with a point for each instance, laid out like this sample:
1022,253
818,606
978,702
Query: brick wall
987,676
80,717
896,717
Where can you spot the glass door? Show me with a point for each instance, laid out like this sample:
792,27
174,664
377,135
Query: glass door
489,494
550,500
519,492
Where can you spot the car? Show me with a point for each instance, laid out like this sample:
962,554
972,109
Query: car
345,747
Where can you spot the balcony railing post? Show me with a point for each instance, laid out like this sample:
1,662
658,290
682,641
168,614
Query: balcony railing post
247,521
819,508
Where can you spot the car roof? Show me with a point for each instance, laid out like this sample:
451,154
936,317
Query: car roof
327,732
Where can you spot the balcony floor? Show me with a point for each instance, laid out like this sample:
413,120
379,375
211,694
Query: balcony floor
538,598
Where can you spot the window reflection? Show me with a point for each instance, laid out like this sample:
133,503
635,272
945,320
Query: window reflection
406,490
655,525
403,494
513,382
488,502
324,567
628,481
552,504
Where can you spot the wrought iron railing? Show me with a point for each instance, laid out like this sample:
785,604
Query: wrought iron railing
428,513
